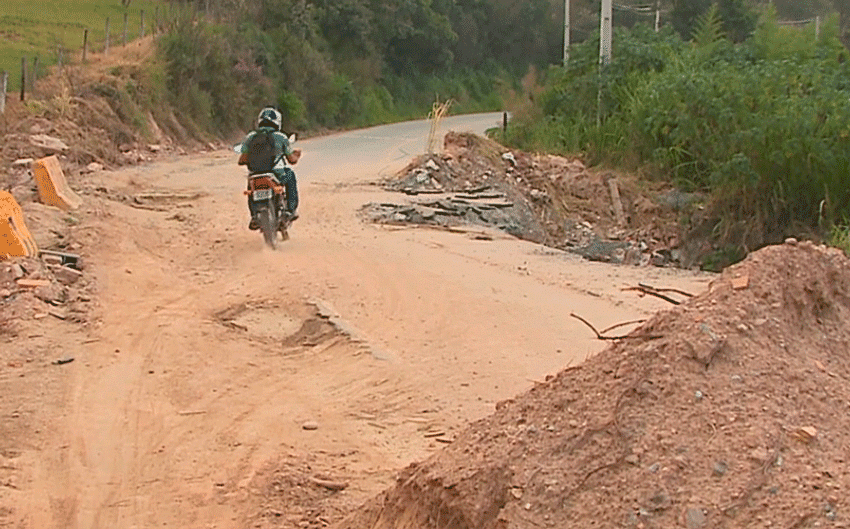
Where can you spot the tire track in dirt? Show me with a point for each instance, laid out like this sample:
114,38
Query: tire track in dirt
183,423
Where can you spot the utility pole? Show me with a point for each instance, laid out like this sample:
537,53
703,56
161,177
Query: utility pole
657,15
605,33
566,32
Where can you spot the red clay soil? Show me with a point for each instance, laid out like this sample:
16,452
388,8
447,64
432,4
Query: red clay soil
730,410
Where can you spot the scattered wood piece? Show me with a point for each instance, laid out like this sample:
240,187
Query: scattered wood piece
191,412
59,314
619,216
233,325
33,283
328,484
422,191
444,440
63,361
438,433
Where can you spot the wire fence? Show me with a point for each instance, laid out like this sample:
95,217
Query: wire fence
131,26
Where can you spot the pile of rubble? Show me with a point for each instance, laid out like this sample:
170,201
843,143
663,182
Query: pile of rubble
547,199
51,285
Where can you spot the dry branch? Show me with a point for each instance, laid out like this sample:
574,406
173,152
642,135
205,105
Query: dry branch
601,337
643,288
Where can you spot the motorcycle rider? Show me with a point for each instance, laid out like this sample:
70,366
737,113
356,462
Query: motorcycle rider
269,120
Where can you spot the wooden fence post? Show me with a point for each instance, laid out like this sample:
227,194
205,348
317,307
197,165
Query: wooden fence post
23,77
4,82
155,28
106,44
142,24
125,28
85,43
59,58
34,76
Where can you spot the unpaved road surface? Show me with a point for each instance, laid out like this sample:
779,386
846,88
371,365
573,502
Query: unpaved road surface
208,353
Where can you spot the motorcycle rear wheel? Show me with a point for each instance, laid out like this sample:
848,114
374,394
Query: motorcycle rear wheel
268,226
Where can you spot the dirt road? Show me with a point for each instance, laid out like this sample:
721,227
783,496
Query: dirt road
188,400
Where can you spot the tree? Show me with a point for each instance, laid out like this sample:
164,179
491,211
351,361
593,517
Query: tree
739,21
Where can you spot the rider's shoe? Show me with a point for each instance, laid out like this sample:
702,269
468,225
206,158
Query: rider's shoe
253,226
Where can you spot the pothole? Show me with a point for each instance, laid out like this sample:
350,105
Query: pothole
289,326
315,326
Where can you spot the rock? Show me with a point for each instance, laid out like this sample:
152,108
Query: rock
22,163
632,459
807,434
49,144
432,165
94,167
310,425
791,241
660,502
5,293
759,454
52,293
66,276
720,468
154,148
695,518
510,158
18,271
576,166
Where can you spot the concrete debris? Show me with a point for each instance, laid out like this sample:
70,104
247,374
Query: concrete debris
48,144
542,198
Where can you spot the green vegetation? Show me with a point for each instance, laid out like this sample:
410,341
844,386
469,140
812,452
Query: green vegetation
29,29
332,64
763,127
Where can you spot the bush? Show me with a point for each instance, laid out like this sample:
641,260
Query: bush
762,126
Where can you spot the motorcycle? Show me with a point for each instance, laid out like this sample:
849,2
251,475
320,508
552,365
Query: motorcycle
268,202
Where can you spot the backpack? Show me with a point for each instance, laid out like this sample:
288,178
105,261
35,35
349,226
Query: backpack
261,152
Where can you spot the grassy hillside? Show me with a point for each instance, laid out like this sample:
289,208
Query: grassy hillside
29,28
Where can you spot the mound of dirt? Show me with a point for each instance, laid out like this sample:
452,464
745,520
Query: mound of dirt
547,199
730,410
87,115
